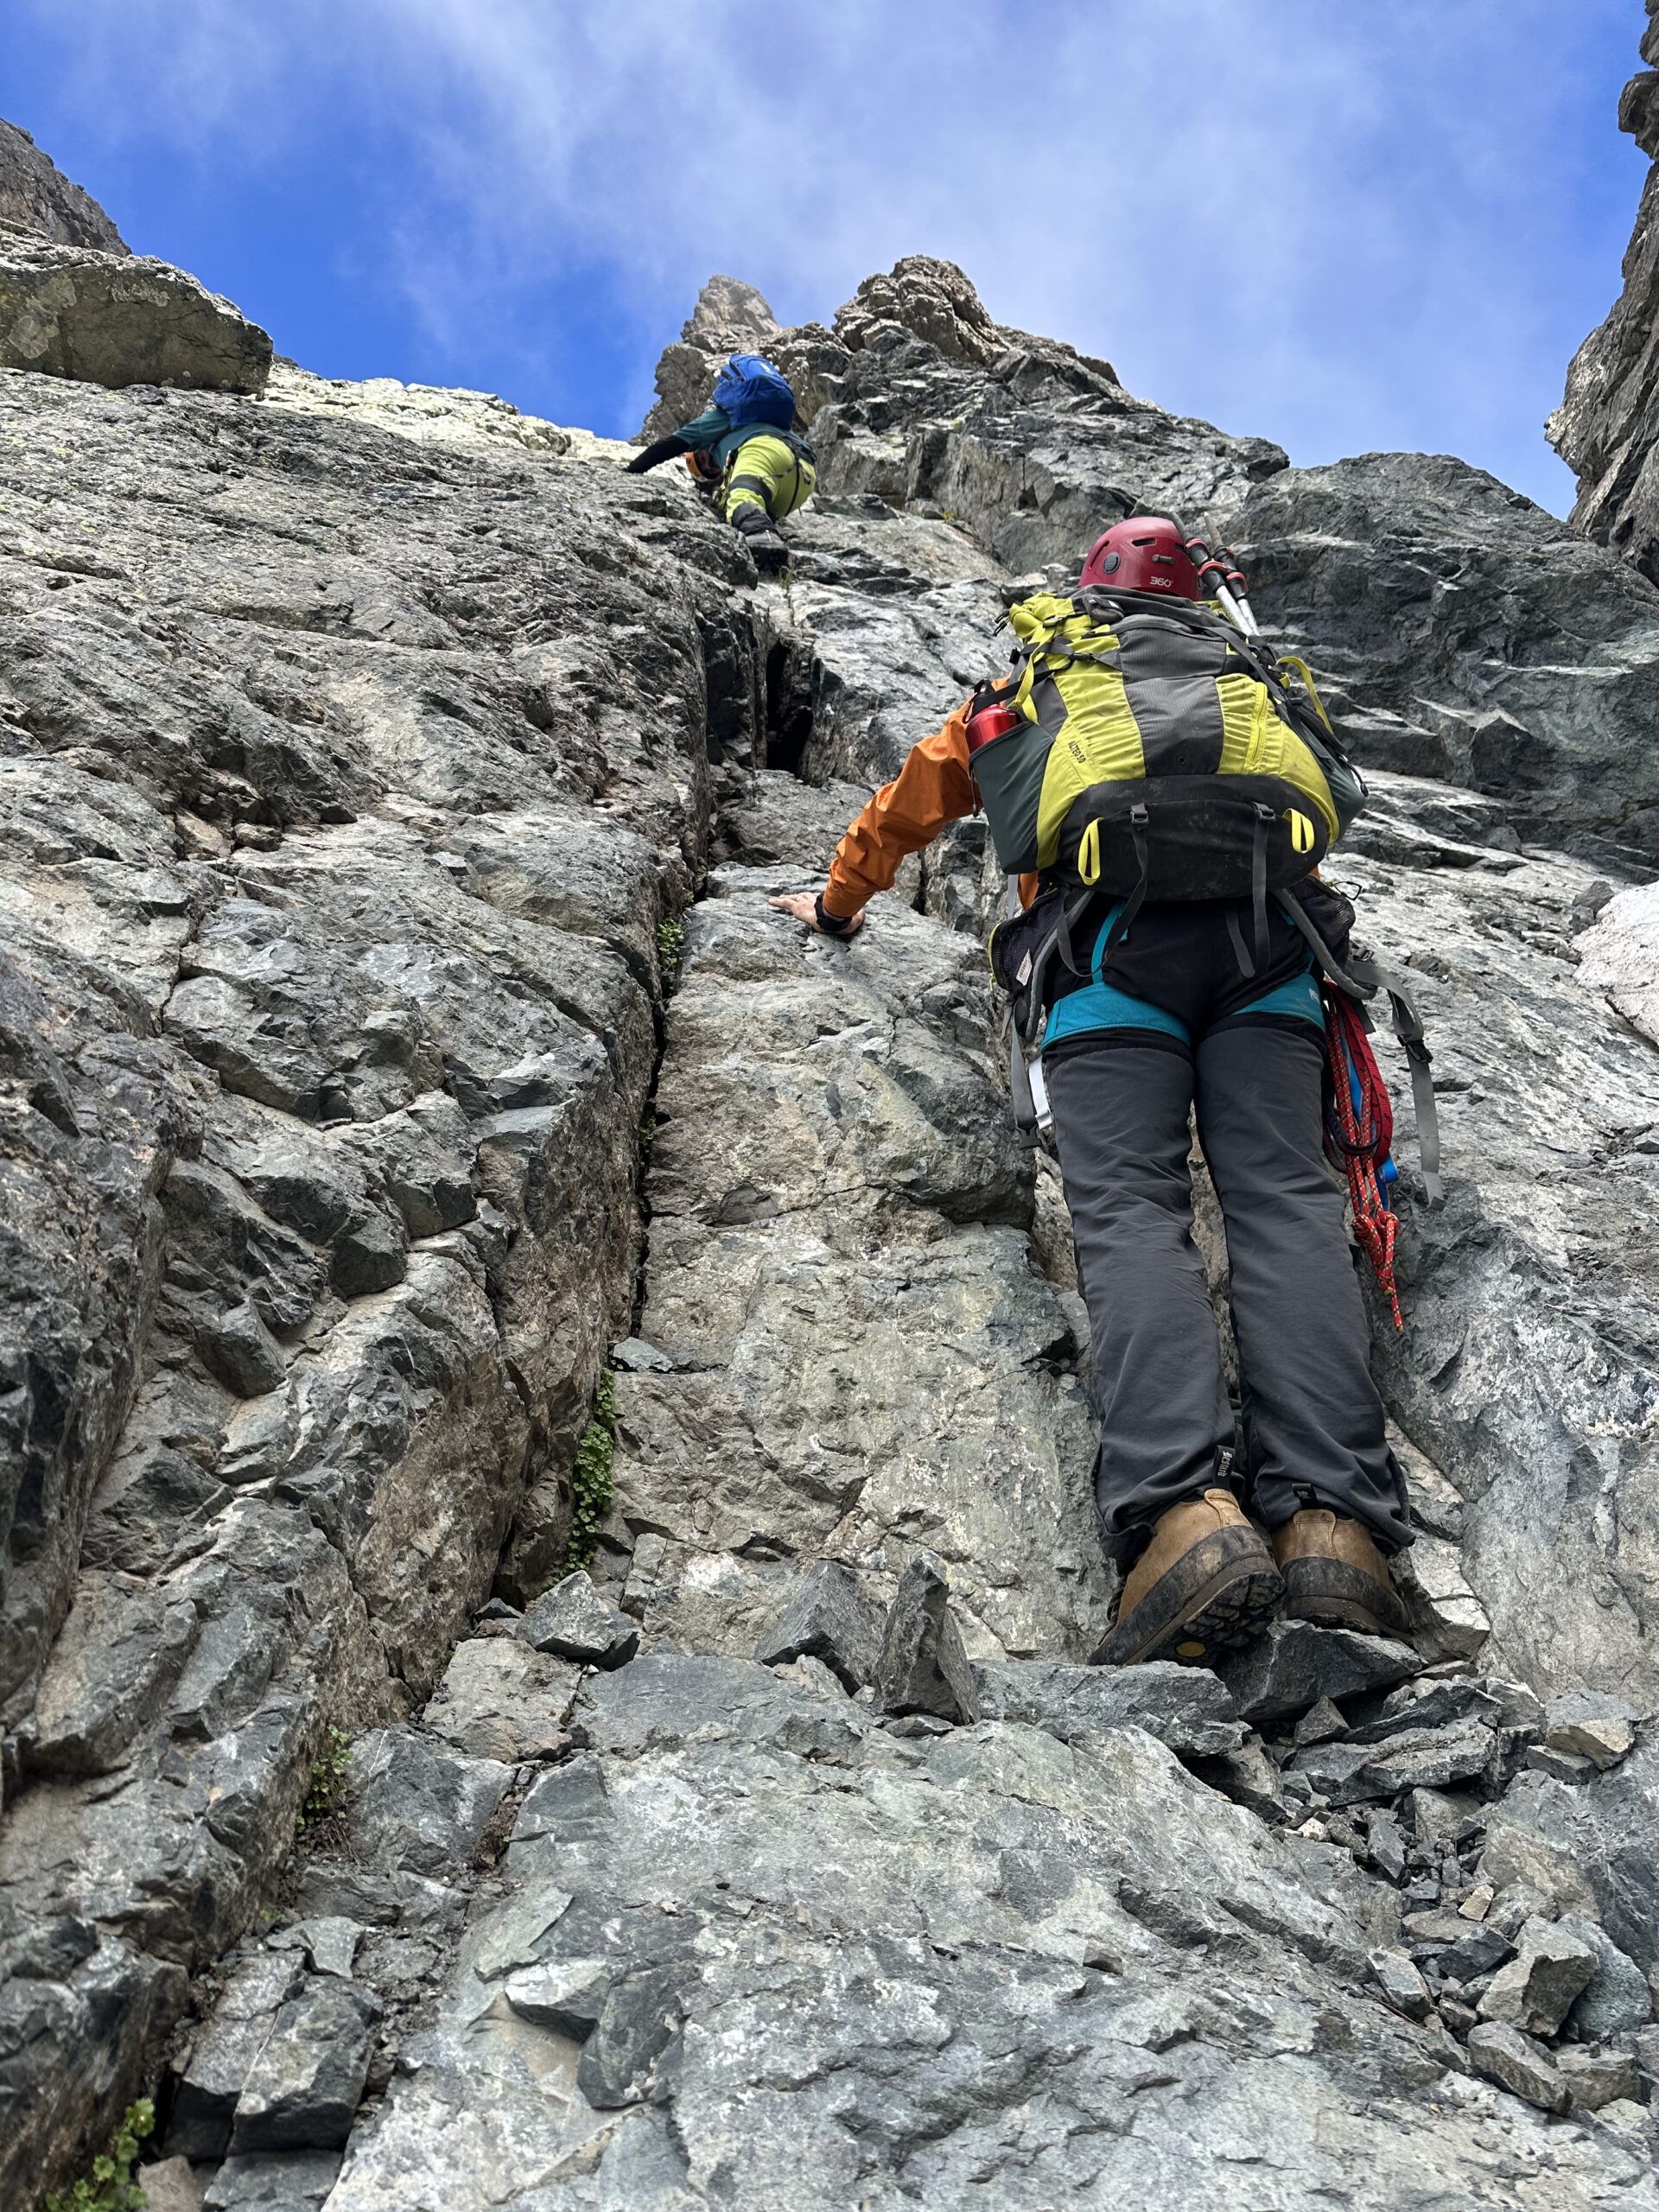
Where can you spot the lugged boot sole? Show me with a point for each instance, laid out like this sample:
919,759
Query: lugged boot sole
1329,1594
1232,1591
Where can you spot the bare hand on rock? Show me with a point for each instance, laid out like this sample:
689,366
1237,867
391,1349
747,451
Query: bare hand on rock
804,906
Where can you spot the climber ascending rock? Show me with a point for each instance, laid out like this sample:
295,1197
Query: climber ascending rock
1152,777
744,450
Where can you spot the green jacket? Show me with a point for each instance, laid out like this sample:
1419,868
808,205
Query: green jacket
714,428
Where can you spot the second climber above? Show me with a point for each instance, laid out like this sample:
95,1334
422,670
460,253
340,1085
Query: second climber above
745,448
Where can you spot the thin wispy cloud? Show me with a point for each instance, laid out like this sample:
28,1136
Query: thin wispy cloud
1341,227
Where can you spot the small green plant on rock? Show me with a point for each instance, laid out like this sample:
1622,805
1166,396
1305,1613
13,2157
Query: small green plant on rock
591,1488
109,2187
670,937
327,1773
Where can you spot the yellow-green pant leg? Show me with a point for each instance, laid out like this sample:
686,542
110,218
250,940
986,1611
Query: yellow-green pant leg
767,474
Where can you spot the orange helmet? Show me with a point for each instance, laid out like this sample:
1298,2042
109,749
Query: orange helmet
703,466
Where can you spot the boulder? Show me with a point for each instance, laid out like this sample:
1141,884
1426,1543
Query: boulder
417,1806
1591,1725
205,2092
301,2092
1616,2000
922,1667
571,1621
1518,2063
1595,2078
118,319
1187,1708
1401,1985
293,2181
831,1619
1551,1969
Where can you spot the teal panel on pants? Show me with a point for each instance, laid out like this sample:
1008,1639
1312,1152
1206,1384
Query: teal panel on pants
1300,997
1102,1006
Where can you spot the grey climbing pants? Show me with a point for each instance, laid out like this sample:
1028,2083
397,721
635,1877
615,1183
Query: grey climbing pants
1313,1421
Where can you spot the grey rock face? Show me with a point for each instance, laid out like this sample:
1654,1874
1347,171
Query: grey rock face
115,318
1533,681
36,196
923,1667
332,884
794,1924
1605,427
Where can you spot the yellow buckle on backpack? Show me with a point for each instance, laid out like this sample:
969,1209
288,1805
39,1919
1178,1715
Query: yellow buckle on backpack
1301,831
1088,854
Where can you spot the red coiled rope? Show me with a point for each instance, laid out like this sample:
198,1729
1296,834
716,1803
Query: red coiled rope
1359,1136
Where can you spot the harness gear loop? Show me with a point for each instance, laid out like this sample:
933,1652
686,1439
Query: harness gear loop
1362,980
1358,1128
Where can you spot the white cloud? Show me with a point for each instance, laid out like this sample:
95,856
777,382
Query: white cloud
1342,227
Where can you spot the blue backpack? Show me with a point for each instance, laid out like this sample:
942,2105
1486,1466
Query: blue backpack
750,391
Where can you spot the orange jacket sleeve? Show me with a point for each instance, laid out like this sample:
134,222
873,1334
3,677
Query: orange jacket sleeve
933,787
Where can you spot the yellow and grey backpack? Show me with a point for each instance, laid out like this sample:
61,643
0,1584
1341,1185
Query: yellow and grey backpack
1161,753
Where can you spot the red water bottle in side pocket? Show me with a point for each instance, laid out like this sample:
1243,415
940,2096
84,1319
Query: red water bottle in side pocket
993,721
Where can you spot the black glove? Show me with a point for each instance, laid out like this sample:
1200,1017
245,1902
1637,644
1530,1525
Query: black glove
668,448
771,553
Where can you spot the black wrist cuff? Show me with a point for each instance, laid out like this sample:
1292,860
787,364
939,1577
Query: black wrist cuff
832,925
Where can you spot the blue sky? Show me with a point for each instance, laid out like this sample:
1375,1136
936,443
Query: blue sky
1342,224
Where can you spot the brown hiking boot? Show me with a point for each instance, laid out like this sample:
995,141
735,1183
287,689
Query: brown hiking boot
1335,1575
1205,1582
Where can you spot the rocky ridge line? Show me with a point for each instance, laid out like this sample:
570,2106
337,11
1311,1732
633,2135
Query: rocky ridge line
1607,425
35,196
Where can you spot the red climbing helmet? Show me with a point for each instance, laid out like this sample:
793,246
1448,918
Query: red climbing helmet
1146,553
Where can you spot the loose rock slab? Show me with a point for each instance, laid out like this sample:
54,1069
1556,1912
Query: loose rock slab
1290,1668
